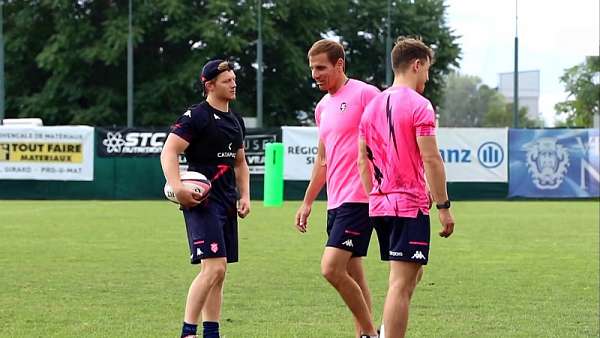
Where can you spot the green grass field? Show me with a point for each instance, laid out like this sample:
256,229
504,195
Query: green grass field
120,269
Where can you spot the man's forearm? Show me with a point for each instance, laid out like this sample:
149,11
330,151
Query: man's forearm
317,181
436,178
365,173
169,161
242,178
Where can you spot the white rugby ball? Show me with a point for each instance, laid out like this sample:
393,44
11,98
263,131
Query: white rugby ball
192,180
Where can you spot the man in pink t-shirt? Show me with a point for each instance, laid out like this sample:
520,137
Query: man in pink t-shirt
398,150
349,228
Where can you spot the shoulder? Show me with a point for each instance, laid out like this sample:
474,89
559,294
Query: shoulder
321,104
323,101
238,116
422,103
364,86
197,112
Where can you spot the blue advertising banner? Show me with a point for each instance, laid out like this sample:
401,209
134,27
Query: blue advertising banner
554,163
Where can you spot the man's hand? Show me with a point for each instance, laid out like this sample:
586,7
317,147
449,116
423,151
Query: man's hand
302,217
187,197
243,207
447,222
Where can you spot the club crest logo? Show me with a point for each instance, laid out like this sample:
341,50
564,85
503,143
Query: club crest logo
214,247
547,162
343,107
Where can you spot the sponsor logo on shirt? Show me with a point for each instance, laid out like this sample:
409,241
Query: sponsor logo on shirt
226,154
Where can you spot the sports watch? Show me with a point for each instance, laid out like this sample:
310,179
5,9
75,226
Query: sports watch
445,205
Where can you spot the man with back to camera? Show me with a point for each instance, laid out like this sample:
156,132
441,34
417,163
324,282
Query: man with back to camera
348,226
212,138
398,154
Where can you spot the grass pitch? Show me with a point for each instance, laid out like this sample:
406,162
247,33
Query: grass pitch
120,269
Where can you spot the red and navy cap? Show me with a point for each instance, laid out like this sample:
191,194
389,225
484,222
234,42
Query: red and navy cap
213,68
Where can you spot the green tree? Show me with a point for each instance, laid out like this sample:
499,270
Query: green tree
500,114
462,104
469,103
362,26
582,82
66,60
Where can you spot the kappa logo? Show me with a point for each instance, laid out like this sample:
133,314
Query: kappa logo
348,243
229,146
343,106
216,116
214,247
188,113
418,255
199,252
547,162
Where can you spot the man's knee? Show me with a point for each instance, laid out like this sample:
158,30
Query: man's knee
402,287
332,273
214,272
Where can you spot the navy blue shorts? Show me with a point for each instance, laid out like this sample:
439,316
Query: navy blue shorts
403,238
212,231
349,228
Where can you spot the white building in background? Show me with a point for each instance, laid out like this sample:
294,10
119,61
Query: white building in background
529,90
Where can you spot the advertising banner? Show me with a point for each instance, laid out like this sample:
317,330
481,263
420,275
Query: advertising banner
145,142
130,142
470,154
255,144
300,150
474,154
47,153
554,163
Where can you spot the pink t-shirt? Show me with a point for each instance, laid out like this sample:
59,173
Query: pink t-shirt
338,117
390,126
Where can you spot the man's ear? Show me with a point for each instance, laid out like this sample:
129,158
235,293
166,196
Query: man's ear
340,65
416,65
208,85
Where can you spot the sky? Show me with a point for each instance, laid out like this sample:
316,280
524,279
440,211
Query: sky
553,35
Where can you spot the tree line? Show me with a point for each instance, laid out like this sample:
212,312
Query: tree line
66,61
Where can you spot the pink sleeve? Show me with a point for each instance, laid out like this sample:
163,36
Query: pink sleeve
363,125
318,114
424,119
367,94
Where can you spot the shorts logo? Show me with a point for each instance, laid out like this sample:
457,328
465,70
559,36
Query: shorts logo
214,247
199,252
396,254
348,243
418,255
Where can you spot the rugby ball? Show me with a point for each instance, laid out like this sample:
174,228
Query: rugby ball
192,180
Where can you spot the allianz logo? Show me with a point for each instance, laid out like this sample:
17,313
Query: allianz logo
489,155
